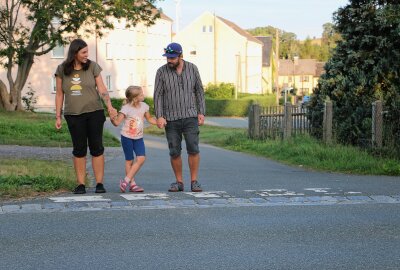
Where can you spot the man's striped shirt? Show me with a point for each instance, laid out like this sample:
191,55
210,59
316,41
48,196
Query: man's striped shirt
178,96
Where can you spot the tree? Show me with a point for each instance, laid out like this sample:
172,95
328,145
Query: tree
364,67
30,28
288,46
329,35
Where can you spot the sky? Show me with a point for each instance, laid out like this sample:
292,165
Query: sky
301,17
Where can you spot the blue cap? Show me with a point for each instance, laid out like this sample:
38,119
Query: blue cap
173,50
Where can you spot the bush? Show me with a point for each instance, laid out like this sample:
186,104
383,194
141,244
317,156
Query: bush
227,107
30,99
218,107
222,90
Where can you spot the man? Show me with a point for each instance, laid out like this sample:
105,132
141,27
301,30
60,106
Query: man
180,108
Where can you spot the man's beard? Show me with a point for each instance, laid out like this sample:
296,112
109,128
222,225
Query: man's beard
172,65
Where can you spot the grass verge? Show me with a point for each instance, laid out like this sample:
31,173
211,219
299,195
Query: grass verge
28,177
302,151
37,129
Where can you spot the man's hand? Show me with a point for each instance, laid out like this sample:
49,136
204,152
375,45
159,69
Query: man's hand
161,122
200,117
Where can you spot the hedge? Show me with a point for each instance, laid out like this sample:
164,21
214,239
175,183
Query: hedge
214,107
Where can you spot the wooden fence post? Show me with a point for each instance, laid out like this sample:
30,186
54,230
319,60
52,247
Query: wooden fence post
287,121
377,124
327,122
254,121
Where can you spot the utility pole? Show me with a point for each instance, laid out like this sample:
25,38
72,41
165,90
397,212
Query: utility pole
215,49
278,93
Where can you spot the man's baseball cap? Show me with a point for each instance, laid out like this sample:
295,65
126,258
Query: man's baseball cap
173,50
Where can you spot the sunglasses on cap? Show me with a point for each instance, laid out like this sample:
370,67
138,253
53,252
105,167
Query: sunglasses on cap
168,50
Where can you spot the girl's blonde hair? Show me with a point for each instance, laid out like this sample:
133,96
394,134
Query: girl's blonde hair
131,93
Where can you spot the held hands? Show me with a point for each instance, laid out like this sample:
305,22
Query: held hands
161,122
201,118
112,112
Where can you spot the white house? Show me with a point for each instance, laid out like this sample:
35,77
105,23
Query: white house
223,52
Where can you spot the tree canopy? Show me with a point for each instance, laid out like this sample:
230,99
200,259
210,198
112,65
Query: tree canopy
30,28
290,46
364,67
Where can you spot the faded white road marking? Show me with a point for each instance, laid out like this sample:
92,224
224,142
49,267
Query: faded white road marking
275,192
318,190
79,199
208,194
144,196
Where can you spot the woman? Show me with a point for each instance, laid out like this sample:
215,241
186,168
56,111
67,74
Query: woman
80,85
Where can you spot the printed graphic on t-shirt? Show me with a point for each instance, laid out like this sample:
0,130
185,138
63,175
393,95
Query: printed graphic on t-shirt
135,127
76,88
134,120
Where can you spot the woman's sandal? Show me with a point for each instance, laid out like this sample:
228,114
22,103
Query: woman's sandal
123,185
135,188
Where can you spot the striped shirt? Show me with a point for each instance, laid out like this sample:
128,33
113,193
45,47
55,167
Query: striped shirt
178,96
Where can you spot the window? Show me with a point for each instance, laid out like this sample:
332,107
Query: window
58,52
108,82
204,28
53,84
210,28
304,78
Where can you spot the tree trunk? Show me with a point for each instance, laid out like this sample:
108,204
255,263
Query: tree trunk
5,98
12,100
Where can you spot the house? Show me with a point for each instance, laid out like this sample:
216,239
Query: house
267,64
301,74
127,56
223,52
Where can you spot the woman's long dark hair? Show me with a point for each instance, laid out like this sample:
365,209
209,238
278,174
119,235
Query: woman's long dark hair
76,45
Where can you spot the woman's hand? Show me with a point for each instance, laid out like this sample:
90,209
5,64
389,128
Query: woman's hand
112,112
58,122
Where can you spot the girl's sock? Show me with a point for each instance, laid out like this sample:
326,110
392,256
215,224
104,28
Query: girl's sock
126,179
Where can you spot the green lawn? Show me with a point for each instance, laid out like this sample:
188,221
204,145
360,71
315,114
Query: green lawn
30,177
37,129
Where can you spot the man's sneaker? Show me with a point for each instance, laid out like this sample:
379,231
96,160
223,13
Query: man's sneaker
175,187
100,188
196,187
80,189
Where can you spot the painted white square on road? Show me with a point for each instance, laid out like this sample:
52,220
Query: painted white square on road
144,196
79,199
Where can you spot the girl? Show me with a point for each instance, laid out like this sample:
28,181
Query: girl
133,112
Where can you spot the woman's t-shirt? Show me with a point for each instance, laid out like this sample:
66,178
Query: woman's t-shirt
81,95
134,120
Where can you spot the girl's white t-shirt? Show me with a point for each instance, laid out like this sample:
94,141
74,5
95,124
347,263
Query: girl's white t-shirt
134,120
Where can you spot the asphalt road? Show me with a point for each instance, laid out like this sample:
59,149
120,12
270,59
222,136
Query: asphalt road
265,215
281,237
